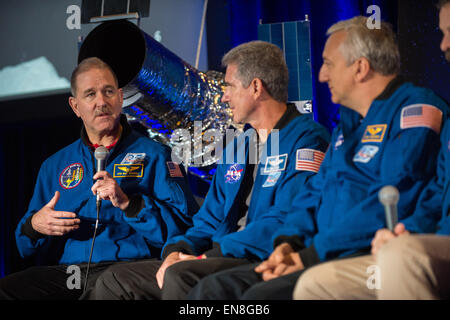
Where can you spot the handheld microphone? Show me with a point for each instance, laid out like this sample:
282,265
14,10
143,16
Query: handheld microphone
389,196
100,154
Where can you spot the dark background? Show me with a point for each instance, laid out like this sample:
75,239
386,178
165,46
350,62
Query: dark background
33,128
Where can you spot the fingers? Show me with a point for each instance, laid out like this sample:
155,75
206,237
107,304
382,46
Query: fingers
400,229
160,277
263,266
381,237
102,175
184,256
54,200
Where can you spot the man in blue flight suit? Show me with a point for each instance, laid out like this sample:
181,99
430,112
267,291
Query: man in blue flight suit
406,266
143,203
388,135
252,189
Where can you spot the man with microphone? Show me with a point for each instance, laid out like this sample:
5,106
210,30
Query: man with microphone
407,266
144,197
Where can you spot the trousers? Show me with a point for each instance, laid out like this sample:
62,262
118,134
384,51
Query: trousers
137,280
409,267
244,283
58,282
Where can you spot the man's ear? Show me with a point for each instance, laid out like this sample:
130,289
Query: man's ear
74,105
257,87
362,66
120,92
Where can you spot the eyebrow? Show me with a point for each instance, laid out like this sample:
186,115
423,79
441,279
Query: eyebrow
88,90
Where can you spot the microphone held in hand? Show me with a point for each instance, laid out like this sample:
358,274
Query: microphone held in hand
100,154
389,197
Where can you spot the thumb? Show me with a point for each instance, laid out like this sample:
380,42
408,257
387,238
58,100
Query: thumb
51,204
399,229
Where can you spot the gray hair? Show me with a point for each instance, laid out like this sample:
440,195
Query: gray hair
378,46
86,65
262,60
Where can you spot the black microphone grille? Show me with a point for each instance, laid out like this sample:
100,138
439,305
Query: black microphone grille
101,153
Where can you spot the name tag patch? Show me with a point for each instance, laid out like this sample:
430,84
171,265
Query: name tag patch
128,170
275,163
374,133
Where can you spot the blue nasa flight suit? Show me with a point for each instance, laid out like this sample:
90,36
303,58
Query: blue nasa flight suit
338,212
161,204
276,183
395,144
434,202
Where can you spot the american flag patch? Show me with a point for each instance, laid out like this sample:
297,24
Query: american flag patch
421,115
309,160
174,169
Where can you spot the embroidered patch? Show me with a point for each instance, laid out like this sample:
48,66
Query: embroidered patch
339,141
234,173
174,169
128,170
272,179
421,115
309,160
365,154
133,158
71,176
374,133
275,163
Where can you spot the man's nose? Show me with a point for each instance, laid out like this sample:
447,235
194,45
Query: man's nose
225,97
323,76
445,43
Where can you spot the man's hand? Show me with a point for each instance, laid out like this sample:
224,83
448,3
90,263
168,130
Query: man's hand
282,261
54,223
109,189
384,235
172,258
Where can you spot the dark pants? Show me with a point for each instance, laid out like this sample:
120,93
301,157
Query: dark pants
244,283
137,280
49,282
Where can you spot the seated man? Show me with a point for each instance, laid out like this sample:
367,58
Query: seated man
388,135
248,197
404,266
143,203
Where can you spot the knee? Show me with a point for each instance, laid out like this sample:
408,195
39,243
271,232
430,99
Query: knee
399,249
107,285
308,282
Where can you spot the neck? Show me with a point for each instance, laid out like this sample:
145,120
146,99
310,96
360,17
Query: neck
270,113
105,139
368,91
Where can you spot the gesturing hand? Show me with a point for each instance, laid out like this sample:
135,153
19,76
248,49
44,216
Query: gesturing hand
54,223
109,189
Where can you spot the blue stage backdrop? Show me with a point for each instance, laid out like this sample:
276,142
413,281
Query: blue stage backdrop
232,22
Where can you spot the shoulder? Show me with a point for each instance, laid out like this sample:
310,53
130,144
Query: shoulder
140,141
416,94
